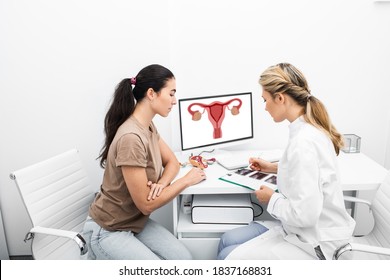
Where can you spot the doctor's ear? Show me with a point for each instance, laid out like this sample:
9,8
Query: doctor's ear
279,98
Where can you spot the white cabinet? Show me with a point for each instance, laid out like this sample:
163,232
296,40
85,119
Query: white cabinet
203,239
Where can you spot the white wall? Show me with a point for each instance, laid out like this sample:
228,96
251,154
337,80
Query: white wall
60,62
341,46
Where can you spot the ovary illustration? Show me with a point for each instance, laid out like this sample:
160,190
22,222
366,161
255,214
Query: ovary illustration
216,113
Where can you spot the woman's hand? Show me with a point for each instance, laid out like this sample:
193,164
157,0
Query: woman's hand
155,189
263,194
194,176
259,164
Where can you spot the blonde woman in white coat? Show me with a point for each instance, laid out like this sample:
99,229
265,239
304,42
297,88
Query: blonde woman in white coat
311,219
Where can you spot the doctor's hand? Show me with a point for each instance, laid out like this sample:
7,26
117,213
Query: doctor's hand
263,194
259,164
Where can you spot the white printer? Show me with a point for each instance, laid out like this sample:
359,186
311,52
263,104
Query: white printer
222,209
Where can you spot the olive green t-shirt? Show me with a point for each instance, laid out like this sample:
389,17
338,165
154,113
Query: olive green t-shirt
133,145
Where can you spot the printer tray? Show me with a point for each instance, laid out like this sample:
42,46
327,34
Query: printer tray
222,209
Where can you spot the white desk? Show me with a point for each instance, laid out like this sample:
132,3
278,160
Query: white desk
358,173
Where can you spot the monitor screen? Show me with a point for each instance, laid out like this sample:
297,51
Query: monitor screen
215,120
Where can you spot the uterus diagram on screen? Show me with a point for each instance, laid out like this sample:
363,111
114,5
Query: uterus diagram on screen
215,112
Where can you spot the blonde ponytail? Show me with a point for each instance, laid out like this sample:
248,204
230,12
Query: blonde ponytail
317,115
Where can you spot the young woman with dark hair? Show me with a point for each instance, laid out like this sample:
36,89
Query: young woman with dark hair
139,173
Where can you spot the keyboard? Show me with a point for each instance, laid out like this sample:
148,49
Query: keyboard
240,159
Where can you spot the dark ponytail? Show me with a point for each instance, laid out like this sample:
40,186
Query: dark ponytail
125,97
122,106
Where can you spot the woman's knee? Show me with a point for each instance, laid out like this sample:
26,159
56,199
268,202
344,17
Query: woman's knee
226,251
240,235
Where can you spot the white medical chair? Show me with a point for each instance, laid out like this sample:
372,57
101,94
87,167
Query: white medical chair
376,244
57,194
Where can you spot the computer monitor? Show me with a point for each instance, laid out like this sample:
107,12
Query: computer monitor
212,122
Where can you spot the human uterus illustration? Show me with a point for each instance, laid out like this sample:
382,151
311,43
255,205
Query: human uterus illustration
216,113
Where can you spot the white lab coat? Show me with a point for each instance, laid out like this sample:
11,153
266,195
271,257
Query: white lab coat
309,204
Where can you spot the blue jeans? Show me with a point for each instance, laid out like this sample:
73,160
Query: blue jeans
154,242
235,237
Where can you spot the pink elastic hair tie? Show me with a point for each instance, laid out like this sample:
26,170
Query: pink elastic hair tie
133,80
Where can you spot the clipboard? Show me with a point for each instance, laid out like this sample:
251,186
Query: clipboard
250,179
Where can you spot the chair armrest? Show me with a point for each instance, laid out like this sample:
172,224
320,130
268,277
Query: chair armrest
357,200
75,236
361,248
